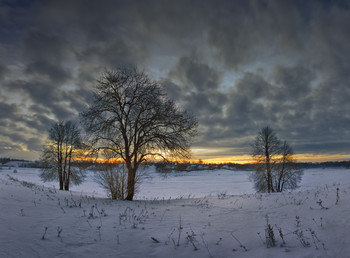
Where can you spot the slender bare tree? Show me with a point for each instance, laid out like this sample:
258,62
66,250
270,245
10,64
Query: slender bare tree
265,151
287,174
134,119
63,146
275,167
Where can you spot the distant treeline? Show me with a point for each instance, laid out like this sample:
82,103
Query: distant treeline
179,166
5,160
328,164
173,166
9,162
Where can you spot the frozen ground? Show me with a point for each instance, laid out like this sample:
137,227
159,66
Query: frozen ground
197,214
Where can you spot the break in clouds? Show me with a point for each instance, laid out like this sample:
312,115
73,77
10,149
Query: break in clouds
236,65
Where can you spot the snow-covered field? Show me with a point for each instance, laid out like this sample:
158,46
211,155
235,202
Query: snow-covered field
196,214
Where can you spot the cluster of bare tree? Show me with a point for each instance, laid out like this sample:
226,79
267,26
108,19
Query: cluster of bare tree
132,119
275,167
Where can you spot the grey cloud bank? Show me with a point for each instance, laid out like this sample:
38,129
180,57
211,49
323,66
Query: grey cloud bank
237,65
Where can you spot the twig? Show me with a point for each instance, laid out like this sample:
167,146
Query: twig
336,203
59,230
155,240
192,239
179,229
43,237
206,246
320,203
239,242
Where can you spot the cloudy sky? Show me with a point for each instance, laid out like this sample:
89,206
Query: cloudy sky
237,65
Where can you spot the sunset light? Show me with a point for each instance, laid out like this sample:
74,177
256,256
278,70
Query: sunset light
222,63
174,128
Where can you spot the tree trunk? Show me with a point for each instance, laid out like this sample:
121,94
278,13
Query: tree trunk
59,165
114,196
131,183
60,176
68,171
270,187
61,182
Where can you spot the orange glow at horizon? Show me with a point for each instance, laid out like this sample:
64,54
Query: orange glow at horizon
244,159
113,160
241,159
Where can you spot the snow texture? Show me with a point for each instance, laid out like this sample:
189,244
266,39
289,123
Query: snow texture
190,214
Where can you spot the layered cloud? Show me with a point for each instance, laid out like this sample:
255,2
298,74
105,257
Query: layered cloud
237,65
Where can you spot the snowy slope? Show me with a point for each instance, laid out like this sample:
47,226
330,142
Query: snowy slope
216,225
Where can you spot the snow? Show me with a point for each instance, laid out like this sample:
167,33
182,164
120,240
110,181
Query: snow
216,212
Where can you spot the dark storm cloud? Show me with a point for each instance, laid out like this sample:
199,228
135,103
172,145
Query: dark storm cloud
195,74
49,48
197,90
285,100
7,110
55,73
45,96
288,62
242,33
3,72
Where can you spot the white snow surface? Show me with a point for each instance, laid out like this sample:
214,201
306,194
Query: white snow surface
189,214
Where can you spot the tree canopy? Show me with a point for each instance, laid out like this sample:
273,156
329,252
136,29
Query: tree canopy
132,118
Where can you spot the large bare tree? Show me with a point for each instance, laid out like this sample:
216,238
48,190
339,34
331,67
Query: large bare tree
63,147
133,118
275,167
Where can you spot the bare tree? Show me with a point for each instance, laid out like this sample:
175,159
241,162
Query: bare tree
265,151
275,167
113,178
63,146
132,118
287,174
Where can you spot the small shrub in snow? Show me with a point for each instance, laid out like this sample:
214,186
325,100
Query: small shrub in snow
270,239
300,235
320,204
179,230
169,237
337,200
91,213
192,239
281,235
99,232
297,221
43,237
59,231
15,171
63,210
218,242
270,236
113,178
315,239
222,195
